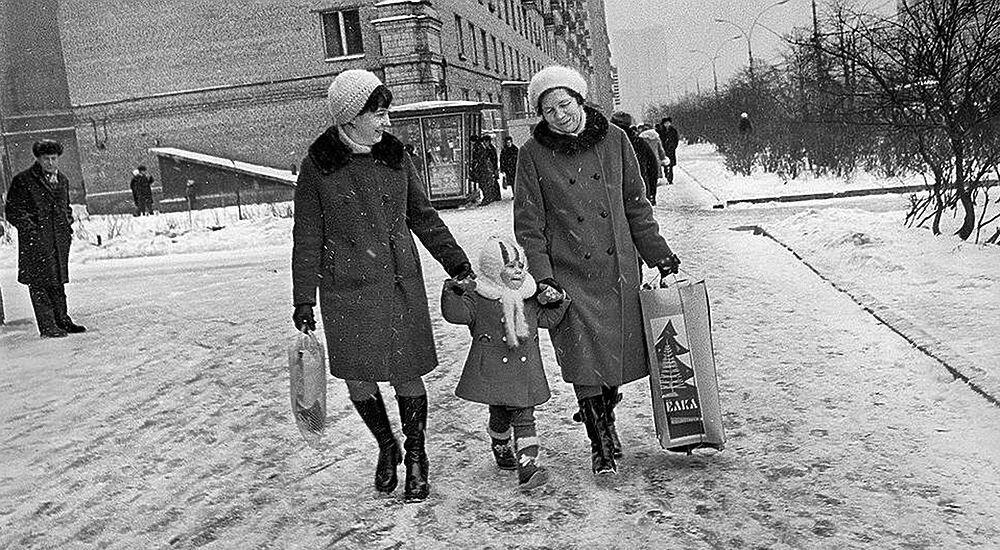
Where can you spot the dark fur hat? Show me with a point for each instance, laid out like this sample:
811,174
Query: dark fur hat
46,147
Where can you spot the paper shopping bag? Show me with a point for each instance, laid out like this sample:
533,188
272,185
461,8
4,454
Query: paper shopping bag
682,378
307,385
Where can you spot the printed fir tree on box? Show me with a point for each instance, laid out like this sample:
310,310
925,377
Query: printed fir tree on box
677,384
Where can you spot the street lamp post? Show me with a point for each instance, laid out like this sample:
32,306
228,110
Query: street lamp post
747,34
713,59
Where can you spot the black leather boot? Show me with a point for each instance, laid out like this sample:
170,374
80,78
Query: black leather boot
611,399
57,294
45,314
372,411
503,453
595,418
413,412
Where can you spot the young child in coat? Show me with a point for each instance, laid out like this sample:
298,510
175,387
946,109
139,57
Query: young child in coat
504,367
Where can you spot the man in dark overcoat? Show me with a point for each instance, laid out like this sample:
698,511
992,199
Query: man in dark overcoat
649,166
38,206
508,161
142,191
670,138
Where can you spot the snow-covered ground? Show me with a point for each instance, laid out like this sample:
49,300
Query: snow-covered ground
166,424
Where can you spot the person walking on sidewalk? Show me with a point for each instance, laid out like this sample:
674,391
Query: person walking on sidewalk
358,202
670,139
504,367
484,169
142,191
38,206
648,164
508,161
581,214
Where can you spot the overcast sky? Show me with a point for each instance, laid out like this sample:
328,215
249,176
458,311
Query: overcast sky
669,67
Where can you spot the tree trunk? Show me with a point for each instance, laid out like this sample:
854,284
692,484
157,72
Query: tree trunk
964,196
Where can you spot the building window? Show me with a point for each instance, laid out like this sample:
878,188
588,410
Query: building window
342,32
496,55
518,65
506,11
461,36
486,50
465,94
503,54
489,97
475,47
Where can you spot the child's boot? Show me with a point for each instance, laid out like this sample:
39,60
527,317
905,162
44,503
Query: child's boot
503,453
529,474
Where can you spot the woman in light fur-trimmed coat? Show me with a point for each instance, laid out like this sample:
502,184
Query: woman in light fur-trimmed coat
504,367
582,216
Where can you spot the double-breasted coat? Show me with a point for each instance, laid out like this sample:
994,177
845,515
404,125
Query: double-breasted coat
494,372
39,209
582,217
354,214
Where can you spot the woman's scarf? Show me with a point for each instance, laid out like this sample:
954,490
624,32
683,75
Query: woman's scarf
354,146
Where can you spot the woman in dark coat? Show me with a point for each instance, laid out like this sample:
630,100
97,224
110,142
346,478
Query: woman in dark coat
508,161
357,201
581,214
38,206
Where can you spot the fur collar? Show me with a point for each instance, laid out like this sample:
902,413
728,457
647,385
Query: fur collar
330,153
594,131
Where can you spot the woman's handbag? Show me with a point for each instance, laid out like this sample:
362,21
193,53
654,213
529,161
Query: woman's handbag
682,379
307,384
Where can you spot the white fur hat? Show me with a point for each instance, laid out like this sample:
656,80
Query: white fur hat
348,94
495,254
555,76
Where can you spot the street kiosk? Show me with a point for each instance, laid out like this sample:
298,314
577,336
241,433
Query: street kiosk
439,132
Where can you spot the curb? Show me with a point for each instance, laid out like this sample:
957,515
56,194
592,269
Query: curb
930,346
831,195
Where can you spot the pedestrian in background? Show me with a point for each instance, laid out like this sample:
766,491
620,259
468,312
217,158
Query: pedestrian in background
649,167
142,191
38,206
581,214
504,366
508,161
670,140
358,202
484,170
649,135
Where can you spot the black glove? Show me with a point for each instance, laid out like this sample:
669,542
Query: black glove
540,296
303,318
461,271
460,287
464,278
669,265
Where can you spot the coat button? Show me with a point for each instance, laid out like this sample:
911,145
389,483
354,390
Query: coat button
524,359
604,213
586,256
572,181
611,250
596,176
503,338
579,219
385,198
504,360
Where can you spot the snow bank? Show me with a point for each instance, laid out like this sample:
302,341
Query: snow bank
945,290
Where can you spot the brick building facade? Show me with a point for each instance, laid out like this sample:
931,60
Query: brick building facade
246,80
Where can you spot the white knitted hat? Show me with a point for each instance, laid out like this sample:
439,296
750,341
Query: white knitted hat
555,76
348,94
495,254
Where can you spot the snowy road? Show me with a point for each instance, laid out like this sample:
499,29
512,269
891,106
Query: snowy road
166,425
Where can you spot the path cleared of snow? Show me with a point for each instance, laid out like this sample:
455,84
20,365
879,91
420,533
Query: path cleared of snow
167,424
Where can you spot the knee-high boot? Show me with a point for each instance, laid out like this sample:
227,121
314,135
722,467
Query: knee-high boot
611,400
372,411
595,418
413,412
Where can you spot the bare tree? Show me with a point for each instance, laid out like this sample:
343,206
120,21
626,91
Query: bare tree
928,76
